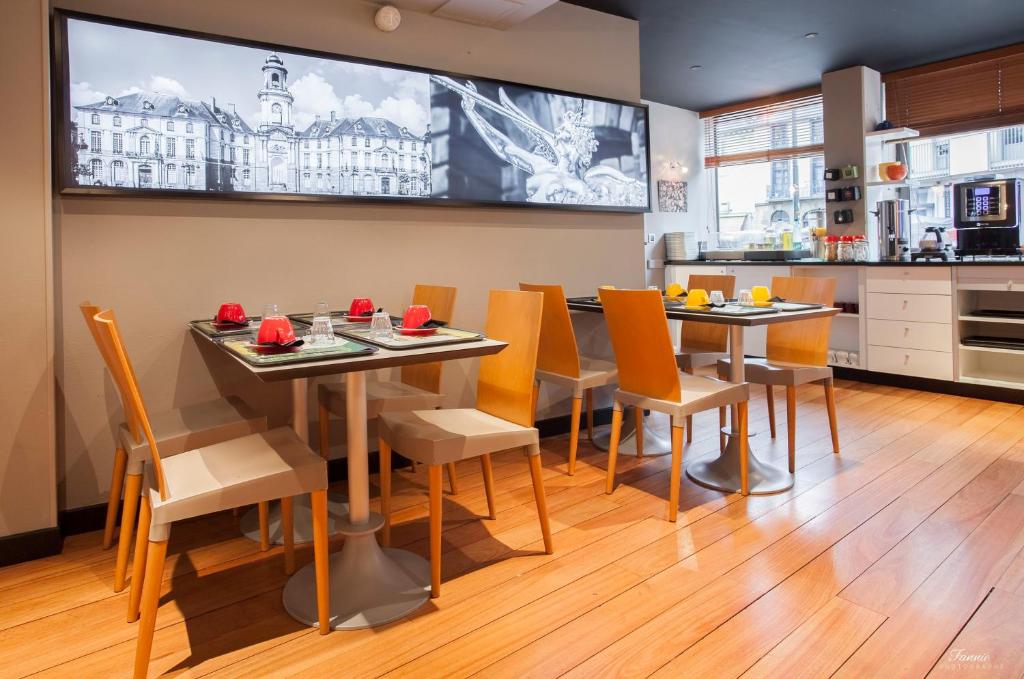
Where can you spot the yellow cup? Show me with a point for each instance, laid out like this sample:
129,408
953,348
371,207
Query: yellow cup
760,293
697,297
674,290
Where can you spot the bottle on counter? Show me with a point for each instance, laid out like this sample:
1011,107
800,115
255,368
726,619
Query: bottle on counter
787,238
832,248
860,248
845,252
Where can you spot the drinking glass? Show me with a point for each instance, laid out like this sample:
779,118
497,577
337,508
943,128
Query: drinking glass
380,325
745,297
717,297
321,332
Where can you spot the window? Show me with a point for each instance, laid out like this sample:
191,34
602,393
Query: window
188,127
144,145
118,143
117,121
96,167
401,145
276,114
414,146
190,149
245,140
145,121
117,170
275,80
768,168
245,156
305,143
95,118
171,151
366,142
190,175
352,141
96,141
246,175
318,143
172,174
170,126
319,161
367,159
305,160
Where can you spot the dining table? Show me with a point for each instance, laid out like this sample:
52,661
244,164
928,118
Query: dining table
723,471
369,585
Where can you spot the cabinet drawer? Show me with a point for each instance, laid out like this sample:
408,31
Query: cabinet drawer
917,308
911,335
1009,278
937,365
909,280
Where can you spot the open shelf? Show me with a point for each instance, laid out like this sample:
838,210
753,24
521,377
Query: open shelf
895,184
843,314
993,350
894,134
989,319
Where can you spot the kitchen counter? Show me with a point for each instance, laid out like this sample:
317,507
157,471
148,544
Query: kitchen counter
822,262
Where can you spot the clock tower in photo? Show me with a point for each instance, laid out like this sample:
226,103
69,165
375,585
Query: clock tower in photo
275,99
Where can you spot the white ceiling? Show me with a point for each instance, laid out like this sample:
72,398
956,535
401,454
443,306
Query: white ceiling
500,14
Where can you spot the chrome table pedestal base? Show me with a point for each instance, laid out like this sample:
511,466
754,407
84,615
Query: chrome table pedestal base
723,472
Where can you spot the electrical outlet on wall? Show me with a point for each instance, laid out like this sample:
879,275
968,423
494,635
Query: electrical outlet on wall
649,239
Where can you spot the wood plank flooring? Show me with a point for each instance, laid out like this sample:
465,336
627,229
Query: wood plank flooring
901,557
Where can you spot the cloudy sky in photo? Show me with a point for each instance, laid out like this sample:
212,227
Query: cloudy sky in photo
112,60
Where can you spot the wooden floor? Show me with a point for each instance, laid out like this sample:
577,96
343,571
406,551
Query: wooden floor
901,557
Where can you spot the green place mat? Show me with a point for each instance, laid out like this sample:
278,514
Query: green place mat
264,356
398,342
210,329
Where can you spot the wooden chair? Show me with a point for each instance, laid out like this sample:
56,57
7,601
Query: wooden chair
176,431
704,344
797,353
502,419
246,470
419,388
649,378
559,362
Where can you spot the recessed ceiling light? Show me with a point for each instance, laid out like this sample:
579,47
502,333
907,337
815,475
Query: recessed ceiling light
810,35
696,67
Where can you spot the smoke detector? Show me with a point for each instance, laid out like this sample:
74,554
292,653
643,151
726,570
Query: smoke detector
387,18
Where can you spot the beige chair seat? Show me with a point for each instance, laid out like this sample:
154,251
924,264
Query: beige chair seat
593,373
699,393
235,473
690,358
194,426
381,397
777,373
441,436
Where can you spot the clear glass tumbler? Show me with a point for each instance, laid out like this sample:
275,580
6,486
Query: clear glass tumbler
380,325
745,297
717,297
321,332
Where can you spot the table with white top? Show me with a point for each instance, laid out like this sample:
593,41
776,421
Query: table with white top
723,472
369,586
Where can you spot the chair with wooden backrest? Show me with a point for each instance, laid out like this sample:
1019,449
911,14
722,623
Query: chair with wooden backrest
246,470
796,353
650,379
419,386
502,419
176,431
703,344
559,362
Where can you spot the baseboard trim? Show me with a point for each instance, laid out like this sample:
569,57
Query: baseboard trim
1004,394
34,544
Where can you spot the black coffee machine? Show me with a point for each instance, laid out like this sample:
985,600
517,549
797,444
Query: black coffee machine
986,215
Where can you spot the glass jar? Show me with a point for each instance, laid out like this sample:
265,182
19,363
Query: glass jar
845,252
860,249
831,248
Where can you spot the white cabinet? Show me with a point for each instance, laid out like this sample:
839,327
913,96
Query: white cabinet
910,280
917,308
907,335
937,365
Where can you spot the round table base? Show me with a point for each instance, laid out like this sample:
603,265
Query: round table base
655,442
369,586
337,508
723,472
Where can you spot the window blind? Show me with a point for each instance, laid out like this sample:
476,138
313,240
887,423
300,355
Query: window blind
959,95
774,130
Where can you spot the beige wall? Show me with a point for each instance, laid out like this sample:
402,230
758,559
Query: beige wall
160,263
27,463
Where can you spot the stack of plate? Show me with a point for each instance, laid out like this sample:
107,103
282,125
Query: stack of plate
680,245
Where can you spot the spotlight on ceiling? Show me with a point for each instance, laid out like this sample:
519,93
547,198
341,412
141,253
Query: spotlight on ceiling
387,18
810,36
696,67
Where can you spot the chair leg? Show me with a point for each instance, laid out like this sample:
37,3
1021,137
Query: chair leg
539,497
453,478
791,425
116,485
676,475
689,428
318,500
743,413
139,563
325,432
488,471
264,515
385,490
152,582
574,432
288,531
124,542
721,426
613,446
639,413
590,415
830,404
434,472
769,392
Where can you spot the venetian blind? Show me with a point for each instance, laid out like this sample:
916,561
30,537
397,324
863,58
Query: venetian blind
959,95
773,130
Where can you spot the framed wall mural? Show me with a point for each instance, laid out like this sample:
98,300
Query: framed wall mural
671,196
192,114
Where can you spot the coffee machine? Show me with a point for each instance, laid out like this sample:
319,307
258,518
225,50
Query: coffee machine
986,215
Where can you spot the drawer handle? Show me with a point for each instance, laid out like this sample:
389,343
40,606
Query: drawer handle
906,331
905,302
906,359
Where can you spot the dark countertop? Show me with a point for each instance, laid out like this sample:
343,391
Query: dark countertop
820,262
